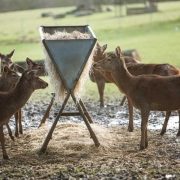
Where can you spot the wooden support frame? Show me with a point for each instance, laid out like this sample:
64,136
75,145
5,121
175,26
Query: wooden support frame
82,112
82,49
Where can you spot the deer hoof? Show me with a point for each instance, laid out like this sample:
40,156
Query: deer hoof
12,138
16,134
5,156
142,147
130,129
162,133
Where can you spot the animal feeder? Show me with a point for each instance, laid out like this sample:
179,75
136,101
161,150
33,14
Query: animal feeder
68,52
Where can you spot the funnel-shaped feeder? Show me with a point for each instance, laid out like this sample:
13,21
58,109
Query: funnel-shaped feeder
69,56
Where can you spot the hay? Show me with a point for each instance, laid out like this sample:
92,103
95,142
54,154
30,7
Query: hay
58,35
54,75
72,151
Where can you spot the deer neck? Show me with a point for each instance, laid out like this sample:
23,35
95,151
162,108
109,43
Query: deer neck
122,78
20,94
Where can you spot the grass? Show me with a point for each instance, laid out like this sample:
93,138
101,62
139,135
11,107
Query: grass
156,36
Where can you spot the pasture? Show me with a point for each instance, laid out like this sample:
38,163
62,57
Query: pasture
156,37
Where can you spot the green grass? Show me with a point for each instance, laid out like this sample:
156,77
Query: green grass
156,36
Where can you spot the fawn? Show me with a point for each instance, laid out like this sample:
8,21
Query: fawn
13,100
131,56
6,61
146,92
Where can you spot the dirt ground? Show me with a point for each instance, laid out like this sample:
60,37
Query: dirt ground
71,153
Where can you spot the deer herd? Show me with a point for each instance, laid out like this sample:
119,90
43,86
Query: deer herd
15,91
148,87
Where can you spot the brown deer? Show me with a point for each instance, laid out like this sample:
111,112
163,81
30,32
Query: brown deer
39,69
8,80
146,92
6,61
13,100
131,56
139,69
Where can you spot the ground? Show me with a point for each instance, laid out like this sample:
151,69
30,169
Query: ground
71,152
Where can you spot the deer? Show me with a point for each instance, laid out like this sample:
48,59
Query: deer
147,92
30,65
8,80
139,69
14,99
131,56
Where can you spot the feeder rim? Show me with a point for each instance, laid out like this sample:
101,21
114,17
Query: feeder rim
66,26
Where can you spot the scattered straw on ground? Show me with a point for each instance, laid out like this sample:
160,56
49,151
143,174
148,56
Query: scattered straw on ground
72,151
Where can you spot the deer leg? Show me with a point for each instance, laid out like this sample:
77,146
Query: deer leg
144,122
20,121
168,113
10,132
16,124
101,86
123,100
2,140
130,108
178,134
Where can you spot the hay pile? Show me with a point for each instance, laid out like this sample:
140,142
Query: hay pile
72,152
52,72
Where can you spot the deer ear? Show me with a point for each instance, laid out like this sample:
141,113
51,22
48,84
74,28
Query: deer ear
10,54
118,51
98,46
29,61
104,47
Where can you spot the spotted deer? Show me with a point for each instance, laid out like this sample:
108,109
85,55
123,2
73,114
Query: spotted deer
146,92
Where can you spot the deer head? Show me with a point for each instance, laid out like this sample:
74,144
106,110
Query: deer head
39,68
99,52
30,80
110,63
10,77
6,59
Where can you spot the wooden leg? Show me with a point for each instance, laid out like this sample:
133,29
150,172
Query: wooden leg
49,135
46,115
85,111
168,113
123,100
92,134
2,140
144,122
130,108
10,132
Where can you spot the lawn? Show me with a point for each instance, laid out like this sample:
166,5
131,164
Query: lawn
156,36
